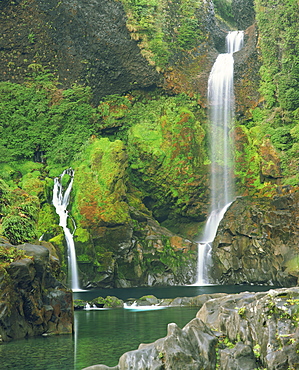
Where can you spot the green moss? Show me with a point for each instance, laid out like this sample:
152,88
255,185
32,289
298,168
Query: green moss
58,242
10,254
166,153
99,185
278,43
108,302
165,28
47,220
81,235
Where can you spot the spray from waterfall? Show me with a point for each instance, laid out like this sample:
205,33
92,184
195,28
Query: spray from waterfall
221,114
60,201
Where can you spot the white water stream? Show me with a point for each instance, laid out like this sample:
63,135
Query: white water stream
221,114
60,201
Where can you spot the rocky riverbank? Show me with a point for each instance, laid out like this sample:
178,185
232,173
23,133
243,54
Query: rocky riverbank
237,331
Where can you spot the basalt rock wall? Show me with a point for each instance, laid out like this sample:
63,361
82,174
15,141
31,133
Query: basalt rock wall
257,242
32,301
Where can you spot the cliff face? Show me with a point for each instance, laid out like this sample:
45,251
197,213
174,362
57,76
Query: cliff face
32,301
257,242
82,42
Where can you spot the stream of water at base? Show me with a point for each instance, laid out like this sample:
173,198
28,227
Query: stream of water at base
102,336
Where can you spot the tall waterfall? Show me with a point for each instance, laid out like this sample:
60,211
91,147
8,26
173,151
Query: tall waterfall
221,114
60,201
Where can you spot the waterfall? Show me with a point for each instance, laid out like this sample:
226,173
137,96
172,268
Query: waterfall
60,201
221,114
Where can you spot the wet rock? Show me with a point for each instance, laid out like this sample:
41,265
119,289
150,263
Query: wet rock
266,322
31,303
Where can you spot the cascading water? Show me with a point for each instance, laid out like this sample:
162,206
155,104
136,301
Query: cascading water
60,201
221,113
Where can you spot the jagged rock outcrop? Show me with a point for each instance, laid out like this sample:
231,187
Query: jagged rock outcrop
258,241
266,324
32,301
238,331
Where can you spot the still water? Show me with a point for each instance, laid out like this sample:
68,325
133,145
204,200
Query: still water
102,336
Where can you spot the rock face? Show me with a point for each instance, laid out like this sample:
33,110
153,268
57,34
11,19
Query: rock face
263,323
32,301
257,242
86,41
246,74
250,330
244,13
154,258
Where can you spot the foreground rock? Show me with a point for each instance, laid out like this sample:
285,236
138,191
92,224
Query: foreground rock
32,301
257,242
239,331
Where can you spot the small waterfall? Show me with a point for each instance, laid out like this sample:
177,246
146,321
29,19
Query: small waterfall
60,201
221,114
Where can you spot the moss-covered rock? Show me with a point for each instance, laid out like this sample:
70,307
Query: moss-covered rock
168,160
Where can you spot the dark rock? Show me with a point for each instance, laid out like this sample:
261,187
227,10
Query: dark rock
246,74
86,41
40,254
257,242
31,303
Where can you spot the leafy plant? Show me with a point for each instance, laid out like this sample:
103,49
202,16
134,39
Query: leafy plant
10,254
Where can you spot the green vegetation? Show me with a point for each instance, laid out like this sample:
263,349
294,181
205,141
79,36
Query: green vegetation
37,117
164,28
223,8
10,254
279,46
19,211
